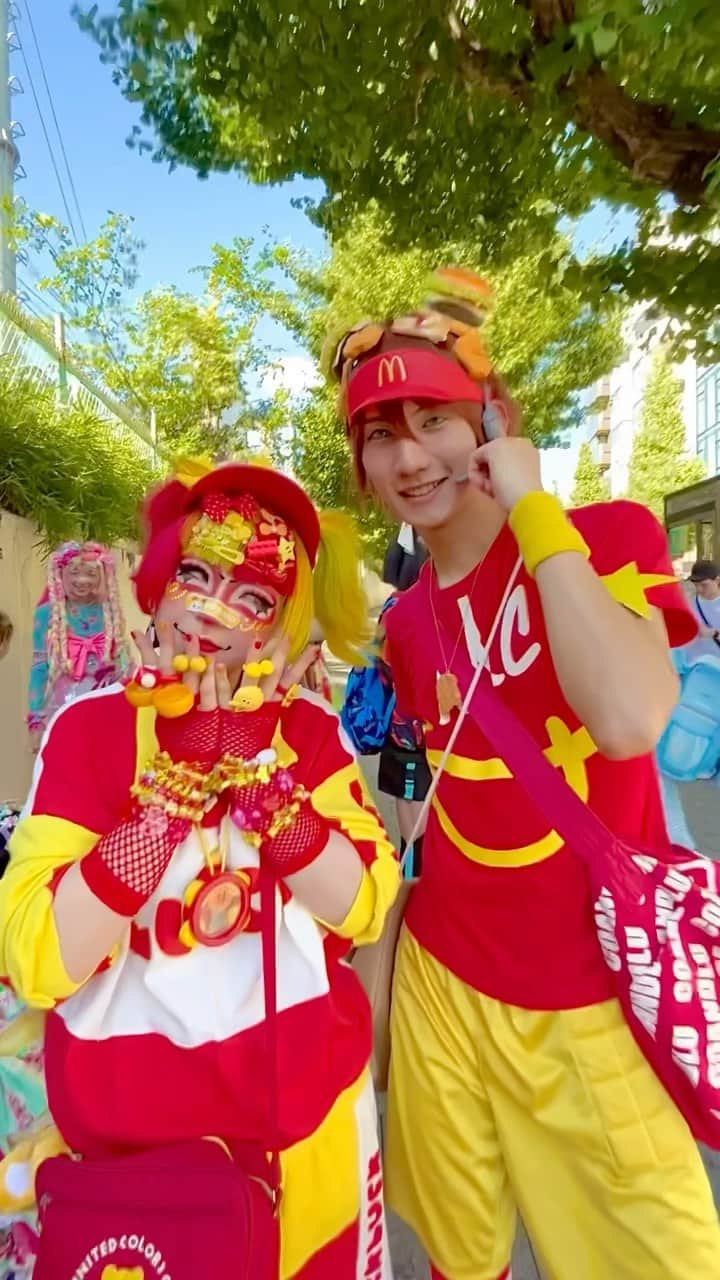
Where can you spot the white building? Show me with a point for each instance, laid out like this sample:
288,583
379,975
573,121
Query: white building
618,404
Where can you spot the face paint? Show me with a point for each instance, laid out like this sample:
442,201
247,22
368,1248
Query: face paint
214,609
224,615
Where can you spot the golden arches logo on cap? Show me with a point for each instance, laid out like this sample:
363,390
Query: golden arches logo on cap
388,367
410,374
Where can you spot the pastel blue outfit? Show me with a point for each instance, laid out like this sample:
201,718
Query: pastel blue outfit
89,670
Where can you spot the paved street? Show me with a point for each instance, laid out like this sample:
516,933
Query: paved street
702,807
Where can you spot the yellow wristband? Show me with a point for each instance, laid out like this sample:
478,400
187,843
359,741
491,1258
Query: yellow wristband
361,912
543,530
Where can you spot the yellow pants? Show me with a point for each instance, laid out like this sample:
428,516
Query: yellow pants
493,1107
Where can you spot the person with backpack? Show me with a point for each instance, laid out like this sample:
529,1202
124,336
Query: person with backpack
404,558
705,578
194,862
689,749
403,769
530,1020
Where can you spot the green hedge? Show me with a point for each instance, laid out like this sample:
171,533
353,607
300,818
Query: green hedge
63,466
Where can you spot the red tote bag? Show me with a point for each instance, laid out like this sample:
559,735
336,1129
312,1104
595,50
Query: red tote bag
171,1213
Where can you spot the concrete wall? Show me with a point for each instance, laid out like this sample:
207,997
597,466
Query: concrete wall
22,580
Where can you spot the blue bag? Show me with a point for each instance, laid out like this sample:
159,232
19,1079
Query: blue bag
369,699
689,748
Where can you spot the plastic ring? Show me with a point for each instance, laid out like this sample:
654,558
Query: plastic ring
181,663
256,670
198,664
248,698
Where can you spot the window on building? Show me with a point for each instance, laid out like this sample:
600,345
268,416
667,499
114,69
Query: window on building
708,417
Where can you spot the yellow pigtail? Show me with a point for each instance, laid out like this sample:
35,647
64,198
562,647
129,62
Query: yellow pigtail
341,605
333,594
298,612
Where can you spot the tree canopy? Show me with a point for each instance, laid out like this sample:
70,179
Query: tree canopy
187,358
493,120
547,342
659,462
589,484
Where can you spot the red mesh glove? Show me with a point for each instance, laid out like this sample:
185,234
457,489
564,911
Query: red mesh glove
194,738
299,844
202,737
126,866
245,733
253,808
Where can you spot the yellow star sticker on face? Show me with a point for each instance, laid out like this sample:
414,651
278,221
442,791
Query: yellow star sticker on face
286,551
629,586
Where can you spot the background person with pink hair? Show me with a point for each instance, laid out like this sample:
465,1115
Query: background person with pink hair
79,632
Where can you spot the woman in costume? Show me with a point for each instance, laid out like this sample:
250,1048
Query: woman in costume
78,631
131,906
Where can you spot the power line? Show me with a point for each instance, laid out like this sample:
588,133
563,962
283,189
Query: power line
38,278
27,303
47,140
54,116
28,288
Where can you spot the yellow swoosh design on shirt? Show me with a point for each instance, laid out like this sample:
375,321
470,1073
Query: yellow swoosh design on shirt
567,751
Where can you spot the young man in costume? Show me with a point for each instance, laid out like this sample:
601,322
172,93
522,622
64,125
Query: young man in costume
79,639
130,908
515,1082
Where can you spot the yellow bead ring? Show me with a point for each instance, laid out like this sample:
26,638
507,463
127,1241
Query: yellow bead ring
256,670
182,663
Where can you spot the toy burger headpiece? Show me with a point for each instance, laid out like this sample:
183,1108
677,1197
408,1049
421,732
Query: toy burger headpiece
257,525
435,354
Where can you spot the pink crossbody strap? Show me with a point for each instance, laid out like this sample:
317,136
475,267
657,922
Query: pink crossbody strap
545,785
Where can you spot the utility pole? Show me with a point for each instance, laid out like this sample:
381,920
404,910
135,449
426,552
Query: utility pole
9,158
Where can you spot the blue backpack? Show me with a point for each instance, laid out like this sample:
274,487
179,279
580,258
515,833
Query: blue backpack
369,700
689,748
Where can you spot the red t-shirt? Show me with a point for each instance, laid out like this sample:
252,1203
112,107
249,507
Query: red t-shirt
502,902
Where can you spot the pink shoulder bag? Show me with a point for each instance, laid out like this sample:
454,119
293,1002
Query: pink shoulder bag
657,914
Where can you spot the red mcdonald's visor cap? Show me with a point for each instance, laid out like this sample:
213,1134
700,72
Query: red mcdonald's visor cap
409,373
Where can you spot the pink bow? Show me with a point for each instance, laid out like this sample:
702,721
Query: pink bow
79,650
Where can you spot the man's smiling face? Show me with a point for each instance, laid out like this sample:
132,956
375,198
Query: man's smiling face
413,455
225,614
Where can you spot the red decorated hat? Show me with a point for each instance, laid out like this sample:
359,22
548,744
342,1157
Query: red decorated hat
271,489
242,516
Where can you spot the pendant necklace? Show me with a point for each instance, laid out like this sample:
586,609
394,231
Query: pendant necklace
447,689
218,903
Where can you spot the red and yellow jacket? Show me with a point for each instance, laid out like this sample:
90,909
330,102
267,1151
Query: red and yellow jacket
166,1040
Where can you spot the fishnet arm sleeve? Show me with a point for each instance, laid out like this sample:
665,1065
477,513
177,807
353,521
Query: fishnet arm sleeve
126,866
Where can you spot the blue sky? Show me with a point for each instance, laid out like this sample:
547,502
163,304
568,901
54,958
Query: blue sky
178,216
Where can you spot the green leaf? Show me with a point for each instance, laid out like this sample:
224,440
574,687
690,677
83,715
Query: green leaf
604,40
